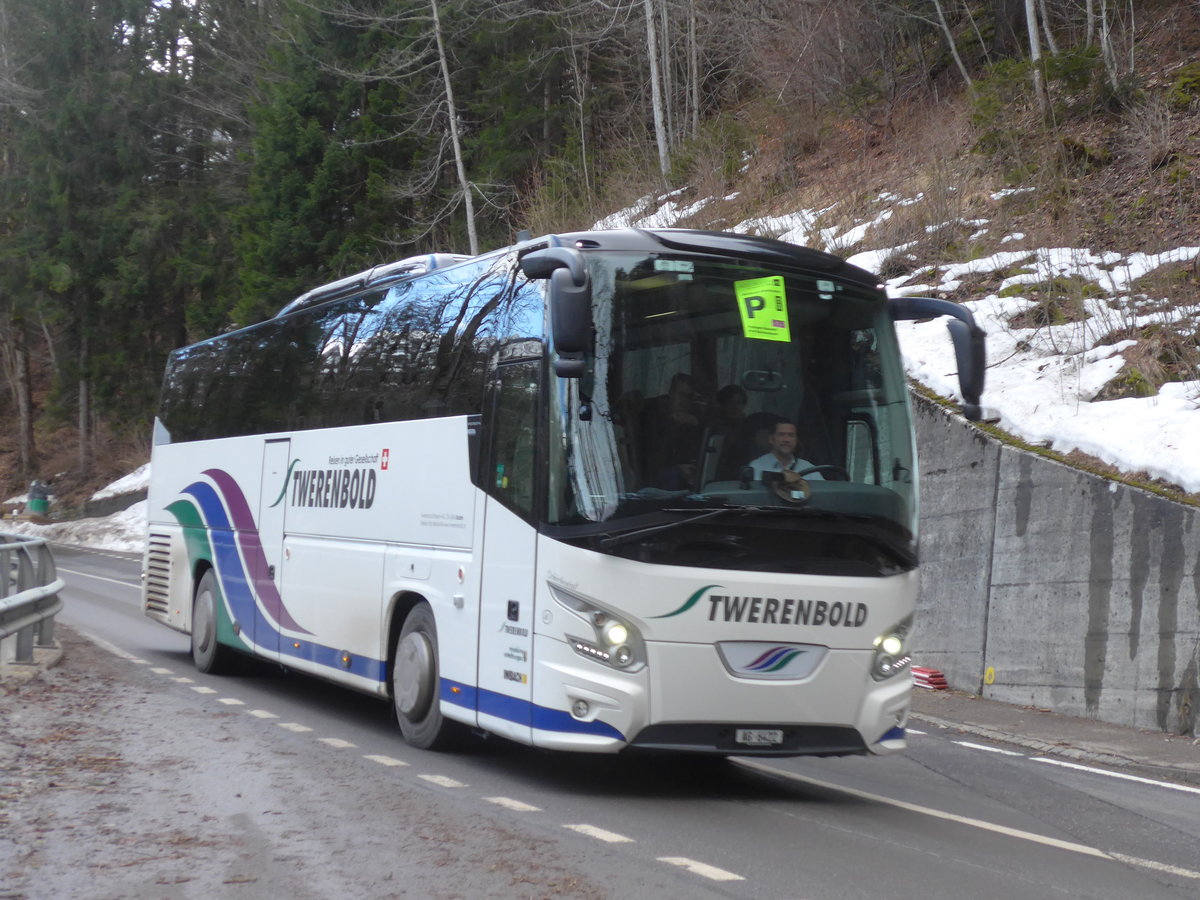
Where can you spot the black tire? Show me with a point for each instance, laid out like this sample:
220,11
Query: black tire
416,683
210,657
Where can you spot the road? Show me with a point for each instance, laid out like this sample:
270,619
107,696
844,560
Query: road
169,783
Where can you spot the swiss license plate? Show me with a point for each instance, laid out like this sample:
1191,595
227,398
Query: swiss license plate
759,737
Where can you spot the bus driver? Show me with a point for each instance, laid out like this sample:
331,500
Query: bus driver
784,441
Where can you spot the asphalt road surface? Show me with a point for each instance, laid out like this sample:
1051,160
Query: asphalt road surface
124,773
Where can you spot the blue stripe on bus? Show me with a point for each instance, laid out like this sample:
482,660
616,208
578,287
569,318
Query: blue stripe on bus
373,669
513,709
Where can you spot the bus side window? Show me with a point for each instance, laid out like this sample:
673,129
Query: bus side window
514,437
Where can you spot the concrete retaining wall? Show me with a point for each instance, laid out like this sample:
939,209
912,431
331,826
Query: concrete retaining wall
1046,586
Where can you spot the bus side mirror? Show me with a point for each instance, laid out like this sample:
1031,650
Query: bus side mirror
970,351
570,293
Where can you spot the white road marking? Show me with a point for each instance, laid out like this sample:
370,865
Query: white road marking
159,670
514,805
111,648
971,746
135,586
183,679
201,689
261,714
914,731
337,743
442,781
1156,866
699,868
1164,784
230,701
1069,846
600,834
294,727
385,760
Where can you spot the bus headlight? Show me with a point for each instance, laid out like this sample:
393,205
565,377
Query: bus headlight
613,641
891,651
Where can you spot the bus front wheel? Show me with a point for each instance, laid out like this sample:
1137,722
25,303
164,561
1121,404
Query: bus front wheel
415,682
208,654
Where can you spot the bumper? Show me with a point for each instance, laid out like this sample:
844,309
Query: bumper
686,700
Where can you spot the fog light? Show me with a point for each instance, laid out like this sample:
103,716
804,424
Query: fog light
622,656
580,709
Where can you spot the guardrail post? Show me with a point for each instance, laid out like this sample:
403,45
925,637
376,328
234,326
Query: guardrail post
24,645
29,598
5,569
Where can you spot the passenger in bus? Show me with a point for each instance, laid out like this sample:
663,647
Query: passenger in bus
671,431
736,437
784,442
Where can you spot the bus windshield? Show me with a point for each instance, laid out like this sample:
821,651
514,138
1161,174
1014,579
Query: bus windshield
774,395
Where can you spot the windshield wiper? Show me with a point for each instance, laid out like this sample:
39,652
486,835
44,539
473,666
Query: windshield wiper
613,540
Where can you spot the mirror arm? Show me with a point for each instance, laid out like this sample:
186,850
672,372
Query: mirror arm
969,340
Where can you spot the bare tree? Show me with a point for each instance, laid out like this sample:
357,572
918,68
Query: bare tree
656,90
452,114
1035,56
937,5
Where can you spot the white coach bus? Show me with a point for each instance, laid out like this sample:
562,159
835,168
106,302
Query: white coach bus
514,493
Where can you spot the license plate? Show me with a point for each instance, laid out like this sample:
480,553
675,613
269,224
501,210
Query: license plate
759,737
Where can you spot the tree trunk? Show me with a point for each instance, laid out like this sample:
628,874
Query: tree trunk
1035,56
452,111
950,40
1106,48
1050,42
85,411
14,349
656,97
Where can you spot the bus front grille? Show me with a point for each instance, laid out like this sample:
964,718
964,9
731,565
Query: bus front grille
158,573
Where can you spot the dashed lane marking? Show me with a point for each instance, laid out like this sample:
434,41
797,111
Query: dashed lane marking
183,679
385,760
442,781
914,731
1163,784
699,868
337,743
201,689
514,805
230,701
294,727
159,670
971,746
600,834
261,714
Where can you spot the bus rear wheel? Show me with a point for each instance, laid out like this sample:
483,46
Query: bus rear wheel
210,656
415,683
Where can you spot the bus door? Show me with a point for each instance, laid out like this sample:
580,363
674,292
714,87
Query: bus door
509,555
266,568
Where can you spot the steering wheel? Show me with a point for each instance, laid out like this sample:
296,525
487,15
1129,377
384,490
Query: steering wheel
838,472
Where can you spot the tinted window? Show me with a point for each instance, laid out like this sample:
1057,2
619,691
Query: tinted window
415,349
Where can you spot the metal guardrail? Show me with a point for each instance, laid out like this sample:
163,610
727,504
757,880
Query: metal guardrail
29,600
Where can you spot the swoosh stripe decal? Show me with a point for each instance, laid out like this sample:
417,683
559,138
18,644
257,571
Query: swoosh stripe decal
252,551
691,601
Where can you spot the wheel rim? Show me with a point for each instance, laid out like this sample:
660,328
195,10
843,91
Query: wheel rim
414,675
202,621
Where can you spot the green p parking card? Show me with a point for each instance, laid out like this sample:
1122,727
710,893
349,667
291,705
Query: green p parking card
763,305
